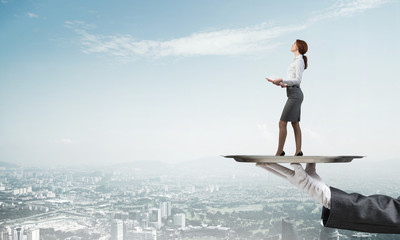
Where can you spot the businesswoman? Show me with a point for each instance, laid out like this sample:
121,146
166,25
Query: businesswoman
292,109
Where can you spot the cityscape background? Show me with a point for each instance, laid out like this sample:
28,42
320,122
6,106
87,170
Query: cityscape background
155,200
114,115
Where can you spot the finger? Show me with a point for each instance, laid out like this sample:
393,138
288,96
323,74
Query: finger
296,166
263,165
312,171
298,169
299,172
281,169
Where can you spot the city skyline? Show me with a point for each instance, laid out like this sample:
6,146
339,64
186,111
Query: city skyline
98,83
128,203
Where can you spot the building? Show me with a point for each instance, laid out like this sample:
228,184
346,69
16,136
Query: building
117,230
128,225
169,207
18,233
179,220
155,217
33,234
135,215
142,234
165,208
5,234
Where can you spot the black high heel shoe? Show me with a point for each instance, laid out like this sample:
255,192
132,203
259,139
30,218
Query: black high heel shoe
282,154
299,153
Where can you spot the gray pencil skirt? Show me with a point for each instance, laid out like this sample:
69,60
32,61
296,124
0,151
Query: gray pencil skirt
291,111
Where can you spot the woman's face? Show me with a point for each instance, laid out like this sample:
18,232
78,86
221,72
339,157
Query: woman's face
294,47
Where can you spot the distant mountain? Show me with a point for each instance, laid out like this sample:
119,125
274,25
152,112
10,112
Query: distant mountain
143,167
141,164
8,165
217,165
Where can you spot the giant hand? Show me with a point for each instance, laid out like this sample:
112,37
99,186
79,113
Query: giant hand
307,180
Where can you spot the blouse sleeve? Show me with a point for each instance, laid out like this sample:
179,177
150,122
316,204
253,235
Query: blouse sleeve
299,73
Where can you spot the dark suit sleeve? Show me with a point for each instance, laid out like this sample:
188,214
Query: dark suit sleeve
374,214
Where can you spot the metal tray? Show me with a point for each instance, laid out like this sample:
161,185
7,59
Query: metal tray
292,159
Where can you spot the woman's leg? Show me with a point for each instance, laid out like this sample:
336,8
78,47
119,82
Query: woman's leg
297,136
282,137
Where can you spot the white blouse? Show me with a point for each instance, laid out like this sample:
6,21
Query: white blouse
295,72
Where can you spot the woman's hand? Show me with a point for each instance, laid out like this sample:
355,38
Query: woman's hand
270,80
277,82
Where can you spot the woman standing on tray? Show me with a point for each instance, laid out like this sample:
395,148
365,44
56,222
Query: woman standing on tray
292,109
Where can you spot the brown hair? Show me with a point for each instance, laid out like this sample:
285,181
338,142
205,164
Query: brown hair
303,48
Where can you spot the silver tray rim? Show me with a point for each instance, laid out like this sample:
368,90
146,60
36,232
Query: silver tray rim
293,159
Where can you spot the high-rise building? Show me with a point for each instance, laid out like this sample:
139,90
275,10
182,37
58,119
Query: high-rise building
145,219
169,207
18,233
117,230
5,234
128,225
163,209
155,217
33,234
179,220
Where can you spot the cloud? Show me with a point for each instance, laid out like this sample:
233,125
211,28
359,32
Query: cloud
345,8
32,15
225,42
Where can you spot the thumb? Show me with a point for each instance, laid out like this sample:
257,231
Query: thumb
299,172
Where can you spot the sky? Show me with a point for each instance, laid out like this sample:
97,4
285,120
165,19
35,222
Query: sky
103,82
